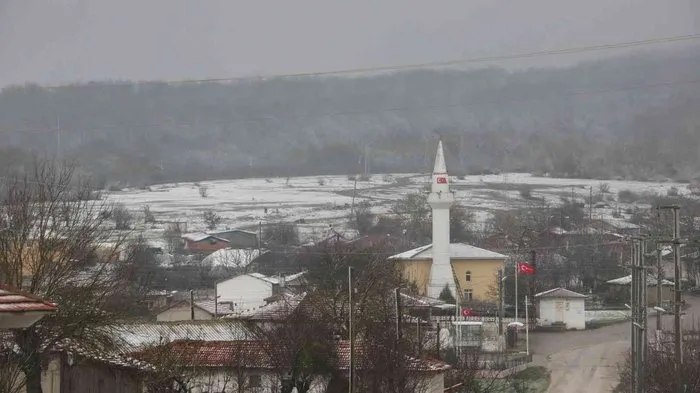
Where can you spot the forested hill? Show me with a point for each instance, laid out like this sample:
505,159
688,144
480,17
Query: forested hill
633,117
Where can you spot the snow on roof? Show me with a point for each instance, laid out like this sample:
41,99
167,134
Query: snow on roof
425,301
233,257
133,337
276,279
199,236
560,293
12,301
627,280
234,230
277,310
619,223
457,251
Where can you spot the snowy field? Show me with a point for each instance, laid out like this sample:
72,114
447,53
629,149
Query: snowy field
320,202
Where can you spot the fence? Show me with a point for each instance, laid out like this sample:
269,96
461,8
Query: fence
444,320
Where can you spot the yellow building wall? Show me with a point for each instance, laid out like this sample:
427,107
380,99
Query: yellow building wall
484,275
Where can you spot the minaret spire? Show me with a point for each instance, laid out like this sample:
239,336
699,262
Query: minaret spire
440,200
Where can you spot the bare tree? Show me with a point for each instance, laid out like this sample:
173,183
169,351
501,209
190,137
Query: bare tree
281,234
660,375
58,247
362,218
203,191
122,217
148,216
172,236
211,218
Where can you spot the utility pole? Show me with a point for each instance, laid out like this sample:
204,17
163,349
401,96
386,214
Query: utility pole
461,151
659,294
58,139
259,238
351,367
437,340
191,305
397,293
633,308
500,302
590,204
677,328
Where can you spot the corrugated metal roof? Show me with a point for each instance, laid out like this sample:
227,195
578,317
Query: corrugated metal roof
627,280
134,337
199,236
13,301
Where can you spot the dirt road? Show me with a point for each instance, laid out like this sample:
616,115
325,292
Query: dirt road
587,361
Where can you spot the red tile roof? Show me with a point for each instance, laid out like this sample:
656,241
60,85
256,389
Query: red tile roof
12,300
257,355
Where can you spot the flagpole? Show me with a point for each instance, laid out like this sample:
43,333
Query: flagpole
517,270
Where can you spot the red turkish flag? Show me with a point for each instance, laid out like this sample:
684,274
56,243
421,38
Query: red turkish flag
526,269
441,180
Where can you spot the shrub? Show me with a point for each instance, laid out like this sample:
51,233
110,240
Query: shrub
122,217
211,218
321,182
673,192
604,188
525,191
203,191
148,216
627,196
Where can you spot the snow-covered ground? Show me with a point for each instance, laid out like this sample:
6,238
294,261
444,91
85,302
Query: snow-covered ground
320,202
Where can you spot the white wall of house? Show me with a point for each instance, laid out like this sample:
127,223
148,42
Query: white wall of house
183,313
244,291
570,311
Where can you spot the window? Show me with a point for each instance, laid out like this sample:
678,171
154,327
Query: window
254,381
468,295
468,276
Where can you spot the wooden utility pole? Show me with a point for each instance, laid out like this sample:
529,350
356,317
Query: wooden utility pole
191,305
590,204
351,331
659,293
500,302
397,293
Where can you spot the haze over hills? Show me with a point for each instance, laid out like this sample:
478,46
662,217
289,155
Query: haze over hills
631,117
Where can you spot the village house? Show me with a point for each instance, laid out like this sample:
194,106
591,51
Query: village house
202,310
238,238
199,242
254,365
621,287
249,291
19,310
561,307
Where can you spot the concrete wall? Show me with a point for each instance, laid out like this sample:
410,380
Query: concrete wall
483,275
244,291
570,311
183,313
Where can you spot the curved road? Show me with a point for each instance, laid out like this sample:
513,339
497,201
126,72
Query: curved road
587,361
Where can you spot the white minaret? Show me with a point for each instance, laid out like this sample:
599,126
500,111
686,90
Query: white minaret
440,200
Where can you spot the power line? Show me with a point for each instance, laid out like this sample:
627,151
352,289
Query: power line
439,64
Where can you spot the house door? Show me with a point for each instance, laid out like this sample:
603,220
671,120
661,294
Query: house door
559,311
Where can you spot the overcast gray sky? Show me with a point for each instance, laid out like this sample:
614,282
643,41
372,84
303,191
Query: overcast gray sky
59,41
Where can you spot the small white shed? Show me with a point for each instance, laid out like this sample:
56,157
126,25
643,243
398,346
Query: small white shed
561,306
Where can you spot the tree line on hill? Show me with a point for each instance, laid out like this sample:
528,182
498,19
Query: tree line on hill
632,117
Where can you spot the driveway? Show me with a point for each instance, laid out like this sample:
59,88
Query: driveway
587,361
